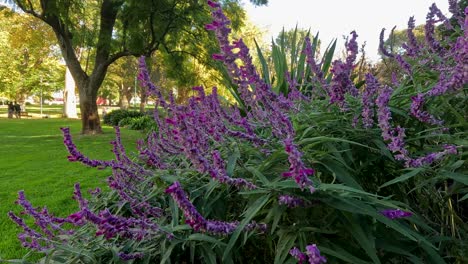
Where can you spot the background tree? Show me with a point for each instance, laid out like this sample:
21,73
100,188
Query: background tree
124,27
29,58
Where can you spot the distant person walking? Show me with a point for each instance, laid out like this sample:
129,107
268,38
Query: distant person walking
11,109
17,110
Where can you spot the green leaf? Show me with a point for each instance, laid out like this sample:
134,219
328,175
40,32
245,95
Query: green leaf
265,69
361,237
323,139
340,187
341,173
404,177
328,57
249,215
464,198
76,252
232,160
258,175
463,178
285,243
208,255
301,64
293,52
400,250
342,254
205,238
168,252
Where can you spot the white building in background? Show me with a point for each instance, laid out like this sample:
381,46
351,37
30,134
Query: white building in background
69,109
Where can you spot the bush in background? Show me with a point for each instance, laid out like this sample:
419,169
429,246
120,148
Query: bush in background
114,117
145,123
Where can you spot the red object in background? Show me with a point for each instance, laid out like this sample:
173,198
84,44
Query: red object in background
101,101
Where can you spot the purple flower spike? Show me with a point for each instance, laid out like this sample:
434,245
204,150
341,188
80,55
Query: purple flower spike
290,201
296,253
381,45
198,222
297,170
372,85
412,47
217,57
314,255
213,4
130,256
210,27
395,213
76,155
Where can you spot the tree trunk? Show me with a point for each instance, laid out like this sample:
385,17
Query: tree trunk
123,101
89,112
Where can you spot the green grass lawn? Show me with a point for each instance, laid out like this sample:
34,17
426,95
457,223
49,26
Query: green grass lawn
34,159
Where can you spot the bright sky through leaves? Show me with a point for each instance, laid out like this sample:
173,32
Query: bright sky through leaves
335,18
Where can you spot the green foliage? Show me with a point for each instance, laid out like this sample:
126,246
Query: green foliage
113,118
288,56
145,123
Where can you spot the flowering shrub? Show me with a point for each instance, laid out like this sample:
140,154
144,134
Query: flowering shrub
217,184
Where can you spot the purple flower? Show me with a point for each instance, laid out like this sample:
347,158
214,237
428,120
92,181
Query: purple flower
432,157
382,48
417,103
213,4
429,28
297,170
290,201
192,216
372,85
217,57
76,155
412,47
404,64
341,82
297,254
219,172
395,213
351,49
198,222
312,254
384,115
130,256
315,67
145,81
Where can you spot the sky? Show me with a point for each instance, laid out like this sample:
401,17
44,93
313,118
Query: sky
336,18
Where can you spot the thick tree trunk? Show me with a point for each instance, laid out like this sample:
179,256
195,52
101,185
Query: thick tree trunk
89,111
123,102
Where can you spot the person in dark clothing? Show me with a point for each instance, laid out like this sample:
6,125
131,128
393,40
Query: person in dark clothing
11,109
17,110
